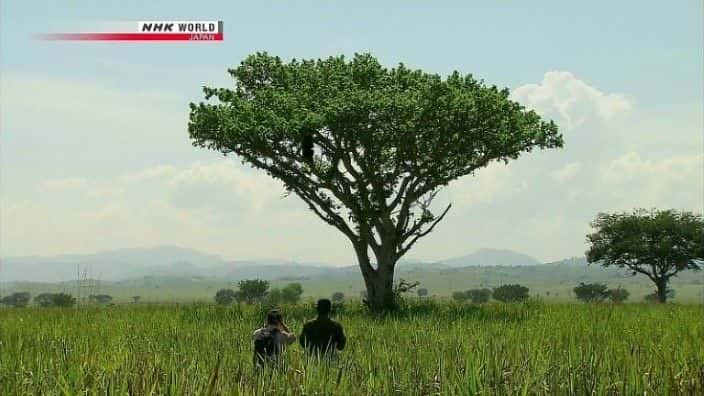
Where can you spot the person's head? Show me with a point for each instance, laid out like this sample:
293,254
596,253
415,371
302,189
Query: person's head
323,307
274,318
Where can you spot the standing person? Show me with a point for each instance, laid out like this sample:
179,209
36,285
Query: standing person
270,340
322,336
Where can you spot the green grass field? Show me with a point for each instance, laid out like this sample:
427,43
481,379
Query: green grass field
432,348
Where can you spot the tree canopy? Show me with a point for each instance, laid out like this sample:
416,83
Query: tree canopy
591,292
251,290
225,296
367,148
292,293
510,293
656,243
289,294
44,299
479,296
102,299
618,295
17,299
63,300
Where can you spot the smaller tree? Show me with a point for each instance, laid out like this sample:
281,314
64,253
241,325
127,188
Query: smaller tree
291,293
44,299
459,296
274,297
251,290
591,292
479,296
422,292
63,300
338,297
510,293
225,296
102,299
17,300
618,295
657,244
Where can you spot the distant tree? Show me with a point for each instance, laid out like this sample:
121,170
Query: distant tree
422,292
478,296
459,296
510,293
273,297
291,293
657,244
338,297
44,299
251,290
17,300
63,300
135,299
102,299
591,292
225,296
618,295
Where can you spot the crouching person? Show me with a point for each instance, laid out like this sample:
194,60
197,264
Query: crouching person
271,340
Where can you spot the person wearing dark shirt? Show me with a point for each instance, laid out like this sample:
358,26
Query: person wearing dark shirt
322,336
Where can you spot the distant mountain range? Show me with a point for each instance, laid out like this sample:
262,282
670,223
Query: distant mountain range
171,261
176,274
491,257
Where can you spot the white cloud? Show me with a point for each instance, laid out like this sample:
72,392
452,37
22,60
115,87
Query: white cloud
159,172
218,206
569,100
634,181
540,203
69,183
631,167
484,186
98,116
566,173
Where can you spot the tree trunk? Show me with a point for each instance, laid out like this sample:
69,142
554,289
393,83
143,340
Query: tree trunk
379,281
380,289
661,290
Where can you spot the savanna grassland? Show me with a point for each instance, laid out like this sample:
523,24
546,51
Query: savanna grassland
429,348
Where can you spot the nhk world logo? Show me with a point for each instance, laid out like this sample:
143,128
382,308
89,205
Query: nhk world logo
150,31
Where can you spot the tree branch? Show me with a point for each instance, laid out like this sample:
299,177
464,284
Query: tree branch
419,235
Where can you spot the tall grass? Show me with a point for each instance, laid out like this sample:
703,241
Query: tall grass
430,348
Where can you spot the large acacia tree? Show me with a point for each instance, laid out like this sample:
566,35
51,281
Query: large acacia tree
655,243
367,148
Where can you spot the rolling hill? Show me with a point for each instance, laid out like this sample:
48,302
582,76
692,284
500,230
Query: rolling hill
170,273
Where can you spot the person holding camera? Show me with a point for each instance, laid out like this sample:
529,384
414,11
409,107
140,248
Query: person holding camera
271,340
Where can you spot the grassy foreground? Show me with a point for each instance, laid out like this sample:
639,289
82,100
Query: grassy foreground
433,348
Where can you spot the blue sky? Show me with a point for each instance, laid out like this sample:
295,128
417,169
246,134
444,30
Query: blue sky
79,119
626,45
